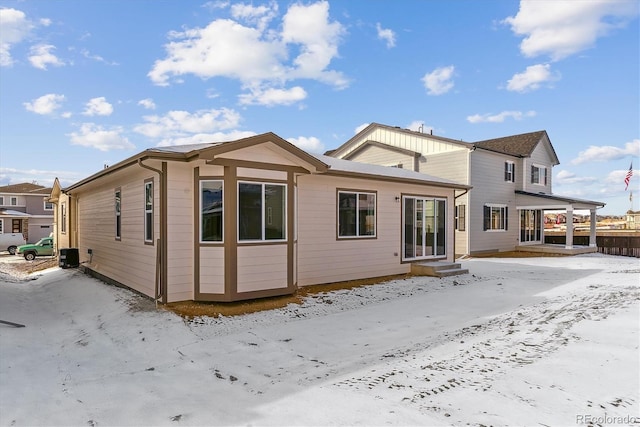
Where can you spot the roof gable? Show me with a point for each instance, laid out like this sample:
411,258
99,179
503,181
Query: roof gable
521,145
25,188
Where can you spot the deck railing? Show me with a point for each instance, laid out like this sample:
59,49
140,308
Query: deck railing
623,244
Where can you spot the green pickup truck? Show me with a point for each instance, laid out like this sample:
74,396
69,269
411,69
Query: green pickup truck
44,247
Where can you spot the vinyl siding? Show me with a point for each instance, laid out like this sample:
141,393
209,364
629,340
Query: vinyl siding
322,258
414,142
452,165
489,186
129,261
262,267
385,157
540,157
180,235
212,270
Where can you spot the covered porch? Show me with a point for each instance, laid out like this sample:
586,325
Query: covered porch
531,208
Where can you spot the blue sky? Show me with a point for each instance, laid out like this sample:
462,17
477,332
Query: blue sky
89,83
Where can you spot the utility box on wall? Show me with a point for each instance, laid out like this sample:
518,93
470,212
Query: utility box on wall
69,258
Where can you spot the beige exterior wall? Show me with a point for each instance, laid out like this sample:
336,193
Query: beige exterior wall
129,260
212,270
452,165
322,258
262,267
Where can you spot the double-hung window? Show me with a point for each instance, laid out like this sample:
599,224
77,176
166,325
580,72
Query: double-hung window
496,217
461,217
148,211
262,211
211,211
118,212
510,171
356,214
538,175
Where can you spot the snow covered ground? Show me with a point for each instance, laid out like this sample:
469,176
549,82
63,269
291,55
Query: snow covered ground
527,341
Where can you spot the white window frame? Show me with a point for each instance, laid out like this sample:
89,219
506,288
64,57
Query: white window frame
503,209
63,217
1,226
117,195
509,171
1,200
45,203
221,181
357,207
13,201
542,175
148,212
263,218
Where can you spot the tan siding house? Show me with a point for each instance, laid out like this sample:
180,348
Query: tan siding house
510,177
251,218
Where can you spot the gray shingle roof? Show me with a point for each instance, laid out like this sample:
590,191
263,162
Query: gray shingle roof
515,145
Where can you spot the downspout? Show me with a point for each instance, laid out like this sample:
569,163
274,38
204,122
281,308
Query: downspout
161,255
465,218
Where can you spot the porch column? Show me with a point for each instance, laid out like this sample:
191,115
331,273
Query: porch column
592,229
569,241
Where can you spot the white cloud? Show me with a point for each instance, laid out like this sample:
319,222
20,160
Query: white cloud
605,153
565,177
532,78
202,138
98,107
46,104
97,58
271,97
562,28
95,136
360,128
15,28
500,117
309,144
387,35
42,177
147,103
41,55
183,127
254,53
439,81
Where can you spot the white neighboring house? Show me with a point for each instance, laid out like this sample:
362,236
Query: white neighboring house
511,180
23,209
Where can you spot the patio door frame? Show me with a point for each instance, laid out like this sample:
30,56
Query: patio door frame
426,235
531,227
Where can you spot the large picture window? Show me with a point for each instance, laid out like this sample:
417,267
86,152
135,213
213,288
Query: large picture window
118,212
211,211
356,214
148,211
262,211
496,217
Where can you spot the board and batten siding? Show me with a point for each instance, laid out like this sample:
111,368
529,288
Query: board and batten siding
322,258
419,143
129,260
487,174
380,156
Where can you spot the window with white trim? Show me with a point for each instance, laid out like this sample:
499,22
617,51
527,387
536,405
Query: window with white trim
118,212
262,211
63,217
496,217
1,226
211,211
148,211
13,201
461,217
538,175
509,171
356,214
48,206
1,200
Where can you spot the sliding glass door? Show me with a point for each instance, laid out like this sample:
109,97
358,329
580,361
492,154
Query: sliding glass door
423,229
530,226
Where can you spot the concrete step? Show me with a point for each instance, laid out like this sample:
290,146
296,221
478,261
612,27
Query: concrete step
437,268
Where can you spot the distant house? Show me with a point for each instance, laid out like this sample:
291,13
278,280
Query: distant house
632,219
511,179
251,218
23,209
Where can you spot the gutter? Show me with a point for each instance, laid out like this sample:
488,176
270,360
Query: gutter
161,243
